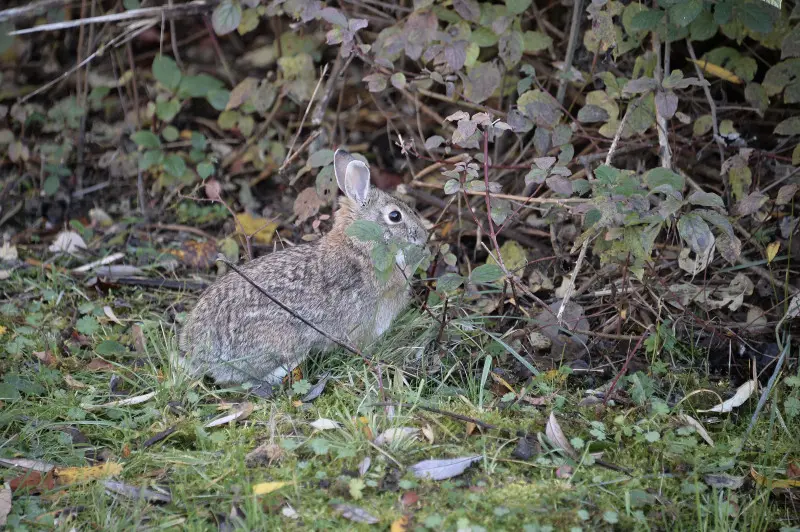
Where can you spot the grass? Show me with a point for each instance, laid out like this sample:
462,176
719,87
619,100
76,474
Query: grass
205,470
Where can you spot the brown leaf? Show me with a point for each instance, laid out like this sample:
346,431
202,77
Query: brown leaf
46,358
264,455
196,254
242,92
5,504
33,481
213,189
307,205
74,383
355,514
409,498
138,338
98,364
557,438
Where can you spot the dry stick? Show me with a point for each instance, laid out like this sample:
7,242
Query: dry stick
31,10
198,6
303,121
322,106
661,121
492,233
715,127
585,246
340,343
625,365
574,29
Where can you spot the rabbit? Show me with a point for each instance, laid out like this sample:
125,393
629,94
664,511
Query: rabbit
236,335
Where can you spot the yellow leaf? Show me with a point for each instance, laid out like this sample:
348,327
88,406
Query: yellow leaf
400,524
773,484
718,71
2,330
68,475
260,229
772,251
268,487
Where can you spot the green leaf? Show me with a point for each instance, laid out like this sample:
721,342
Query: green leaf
109,347
87,325
515,7
166,71
226,17
756,16
51,184
150,158
382,257
218,98
486,273
706,199
646,20
695,232
204,170
199,86
536,41
166,111
790,126
365,230
684,13
703,27
146,139
175,165
320,158
484,37
170,133
448,282
663,176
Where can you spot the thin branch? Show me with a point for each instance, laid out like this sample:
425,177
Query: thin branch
714,124
572,45
303,121
661,120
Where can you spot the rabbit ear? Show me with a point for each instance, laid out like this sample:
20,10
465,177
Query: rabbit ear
352,176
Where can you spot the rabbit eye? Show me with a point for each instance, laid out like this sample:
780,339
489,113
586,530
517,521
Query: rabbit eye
395,217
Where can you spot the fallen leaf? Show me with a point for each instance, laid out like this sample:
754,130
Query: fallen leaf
689,420
138,338
8,253
397,434
67,242
33,481
196,254
409,498
718,71
307,204
46,358
5,503
363,467
260,229
317,389
355,514
69,475
564,471
288,511
427,431
240,414
27,464
556,436
721,480
268,487
98,364
773,484
401,524
324,424
444,468
264,454
128,401
772,251
134,492
109,312
73,383
742,394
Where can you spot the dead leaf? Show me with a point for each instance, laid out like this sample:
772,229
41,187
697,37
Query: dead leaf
307,204
33,481
397,434
689,420
324,424
98,364
134,492
73,383
401,524
260,229
5,503
264,454
556,436
27,463
409,498
721,480
363,466
240,414
718,71
128,401
46,358
317,389
444,468
355,514
742,394
773,484
196,254
69,475
8,253
288,511
67,242
138,338
772,251
427,431
268,487
564,471
109,312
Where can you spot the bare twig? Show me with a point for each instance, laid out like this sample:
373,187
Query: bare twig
714,124
625,365
574,31
340,343
661,121
303,121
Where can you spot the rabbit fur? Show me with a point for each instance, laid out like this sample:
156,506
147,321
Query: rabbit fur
237,335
